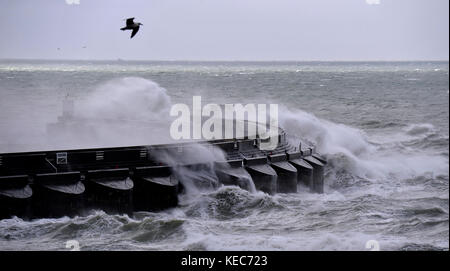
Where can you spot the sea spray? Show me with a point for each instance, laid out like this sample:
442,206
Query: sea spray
121,112
351,150
128,98
195,166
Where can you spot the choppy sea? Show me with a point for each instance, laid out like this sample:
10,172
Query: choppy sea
383,126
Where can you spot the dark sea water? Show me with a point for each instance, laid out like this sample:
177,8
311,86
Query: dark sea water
383,126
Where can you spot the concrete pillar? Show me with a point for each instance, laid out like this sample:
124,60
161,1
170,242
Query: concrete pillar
287,174
263,175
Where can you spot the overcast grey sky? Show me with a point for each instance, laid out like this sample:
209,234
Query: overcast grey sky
226,29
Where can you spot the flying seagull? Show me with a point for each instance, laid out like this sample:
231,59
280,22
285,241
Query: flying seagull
131,25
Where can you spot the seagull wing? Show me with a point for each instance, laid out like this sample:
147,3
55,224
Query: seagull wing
135,30
130,21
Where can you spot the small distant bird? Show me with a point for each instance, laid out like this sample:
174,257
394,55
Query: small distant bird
131,25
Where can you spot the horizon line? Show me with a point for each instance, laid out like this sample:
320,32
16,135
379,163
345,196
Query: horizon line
221,60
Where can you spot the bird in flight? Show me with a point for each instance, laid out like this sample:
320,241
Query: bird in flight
131,25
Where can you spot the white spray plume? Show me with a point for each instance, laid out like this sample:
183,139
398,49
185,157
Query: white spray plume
351,149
